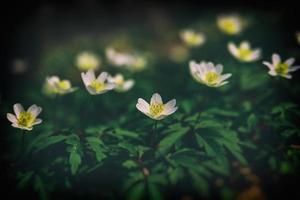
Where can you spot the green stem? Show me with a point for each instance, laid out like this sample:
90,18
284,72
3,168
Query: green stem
153,138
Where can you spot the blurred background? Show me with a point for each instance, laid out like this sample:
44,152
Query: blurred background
43,38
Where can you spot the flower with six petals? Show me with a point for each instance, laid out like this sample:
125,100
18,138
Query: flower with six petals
25,119
280,68
156,110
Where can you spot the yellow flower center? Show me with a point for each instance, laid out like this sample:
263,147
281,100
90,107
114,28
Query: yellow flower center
26,119
156,109
97,86
245,53
282,68
193,39
63,85
212,78
119,80
229,26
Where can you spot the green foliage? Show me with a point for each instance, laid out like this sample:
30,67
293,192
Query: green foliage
250,122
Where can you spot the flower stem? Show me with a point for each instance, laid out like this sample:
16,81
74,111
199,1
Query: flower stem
153,138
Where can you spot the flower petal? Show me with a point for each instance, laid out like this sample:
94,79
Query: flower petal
290,61
102,77
276,59
156,99
142,106
12,118
34,110
224,77
37,121
269,65
219,68
294,68
18,108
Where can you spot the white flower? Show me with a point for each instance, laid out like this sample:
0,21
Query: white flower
87,60
53,85
231,24
244,53
157,109
208,74
298,37
192,38
97,85
279,68
25,119
121,85
132,62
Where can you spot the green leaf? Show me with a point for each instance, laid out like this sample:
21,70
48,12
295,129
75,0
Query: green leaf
25,178
167,142
74,160
40,188
200,184
48,141
154,192
202,143
136,192
129,164
126,133
251,121
95,144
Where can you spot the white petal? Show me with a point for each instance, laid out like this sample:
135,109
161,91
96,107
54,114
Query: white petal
272,73
12,118
156,99
245,45
288,76
256,54
91,90
232,49
18,108
219,68
169,111
34,110
142,106
224,77
294,68
170,104
290,61
88,77
109,86
37,121
276,59
269,65
102,77
128,84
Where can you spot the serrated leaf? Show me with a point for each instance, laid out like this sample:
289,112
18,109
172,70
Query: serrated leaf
167,142
74,160
48,141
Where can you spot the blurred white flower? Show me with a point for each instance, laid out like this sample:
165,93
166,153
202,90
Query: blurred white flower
178,53
192,38
298,37
230,24
25,119
121,85
121,59
87,60
279,68
209,74
54,86
157,109
244,53
97,85
19,66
